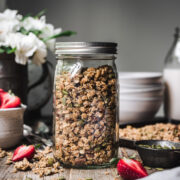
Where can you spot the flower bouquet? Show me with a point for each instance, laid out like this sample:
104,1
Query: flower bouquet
28,37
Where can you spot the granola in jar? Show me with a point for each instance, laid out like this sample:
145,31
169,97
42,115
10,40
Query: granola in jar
85,113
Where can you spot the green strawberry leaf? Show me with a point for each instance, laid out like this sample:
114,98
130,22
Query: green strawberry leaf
37,146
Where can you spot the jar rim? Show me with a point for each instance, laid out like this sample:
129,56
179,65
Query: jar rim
85,48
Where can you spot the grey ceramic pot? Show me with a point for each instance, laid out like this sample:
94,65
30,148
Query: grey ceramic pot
11,126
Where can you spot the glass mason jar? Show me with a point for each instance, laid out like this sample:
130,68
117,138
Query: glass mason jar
85,104
171,76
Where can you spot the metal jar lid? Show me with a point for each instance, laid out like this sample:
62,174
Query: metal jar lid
85,48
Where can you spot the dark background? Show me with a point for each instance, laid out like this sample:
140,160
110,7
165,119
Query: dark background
142,28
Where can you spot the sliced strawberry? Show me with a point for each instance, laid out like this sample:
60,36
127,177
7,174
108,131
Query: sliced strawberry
22,152
130,169
8,100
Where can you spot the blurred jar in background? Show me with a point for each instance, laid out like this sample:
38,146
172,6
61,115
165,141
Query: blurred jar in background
172,80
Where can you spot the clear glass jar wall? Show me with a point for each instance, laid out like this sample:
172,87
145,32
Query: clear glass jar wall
85,110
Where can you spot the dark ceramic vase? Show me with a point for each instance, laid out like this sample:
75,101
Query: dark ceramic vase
13,76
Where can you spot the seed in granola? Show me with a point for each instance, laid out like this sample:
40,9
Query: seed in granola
81,122
61,178
28,178
97,149
64,100
64,92
50,161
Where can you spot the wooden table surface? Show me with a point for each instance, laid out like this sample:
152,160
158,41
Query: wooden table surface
69,174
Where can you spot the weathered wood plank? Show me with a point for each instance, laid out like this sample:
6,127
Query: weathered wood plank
64,174
105,174
8,175
30,174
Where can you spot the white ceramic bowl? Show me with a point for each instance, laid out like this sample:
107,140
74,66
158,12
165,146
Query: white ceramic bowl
11,126
141,86
138,110
156,91
140,78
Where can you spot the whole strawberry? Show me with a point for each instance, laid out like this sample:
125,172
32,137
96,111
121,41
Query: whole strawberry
22,152
130,169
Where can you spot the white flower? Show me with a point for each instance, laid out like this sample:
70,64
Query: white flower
32,23
26,46
40,54
9,22
47,30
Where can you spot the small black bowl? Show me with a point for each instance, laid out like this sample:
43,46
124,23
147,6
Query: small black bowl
162,158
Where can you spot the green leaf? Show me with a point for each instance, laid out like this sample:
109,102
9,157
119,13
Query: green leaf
26,16
23,31
10,50
65,33
36,32
2,50
41,13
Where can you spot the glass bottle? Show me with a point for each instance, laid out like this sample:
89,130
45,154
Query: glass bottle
171,76
86,126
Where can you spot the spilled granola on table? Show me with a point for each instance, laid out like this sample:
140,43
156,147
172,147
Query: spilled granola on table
2,153
158,131
43,163
85,116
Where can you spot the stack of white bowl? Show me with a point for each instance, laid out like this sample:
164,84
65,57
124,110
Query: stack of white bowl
141,95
